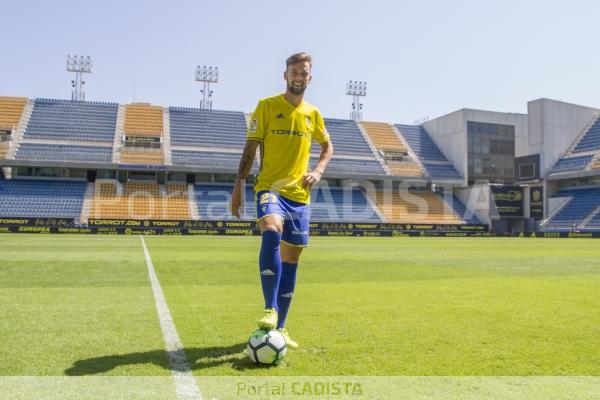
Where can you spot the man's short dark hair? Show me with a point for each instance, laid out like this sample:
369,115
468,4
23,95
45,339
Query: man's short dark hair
298,57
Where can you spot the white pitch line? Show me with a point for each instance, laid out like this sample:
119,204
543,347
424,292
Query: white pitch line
185,384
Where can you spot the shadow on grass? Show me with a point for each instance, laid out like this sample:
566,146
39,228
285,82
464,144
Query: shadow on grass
234,355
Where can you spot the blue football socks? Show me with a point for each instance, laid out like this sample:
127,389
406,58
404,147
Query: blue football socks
270,267
286,291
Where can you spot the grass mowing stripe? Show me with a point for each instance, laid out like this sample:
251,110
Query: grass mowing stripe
185,383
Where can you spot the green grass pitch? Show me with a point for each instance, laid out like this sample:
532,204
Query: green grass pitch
83,305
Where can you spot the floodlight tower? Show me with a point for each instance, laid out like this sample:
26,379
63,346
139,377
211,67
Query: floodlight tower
206,75
356,89
80,65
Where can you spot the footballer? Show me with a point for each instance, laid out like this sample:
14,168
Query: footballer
283,127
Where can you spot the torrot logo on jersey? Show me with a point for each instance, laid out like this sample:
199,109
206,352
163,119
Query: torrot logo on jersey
288,132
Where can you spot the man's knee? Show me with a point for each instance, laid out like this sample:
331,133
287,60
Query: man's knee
271,223
291,260
290,254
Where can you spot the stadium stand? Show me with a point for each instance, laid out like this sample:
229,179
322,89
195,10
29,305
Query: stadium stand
66,152
596,164
72,120
346,138
207,128
416,207
211,141
434,161
441,170
208,160
404,168
141,156
571,164
581,203
420,142
394,152
4,146
351,166
383,137
143,120
334,205
590,140
461,210
198,135
140,200
11,109
41,198
327,204
213,201
594,222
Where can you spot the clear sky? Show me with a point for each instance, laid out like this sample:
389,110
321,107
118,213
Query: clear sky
420,58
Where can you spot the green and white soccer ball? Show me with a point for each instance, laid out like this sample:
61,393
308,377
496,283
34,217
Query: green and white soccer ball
266,348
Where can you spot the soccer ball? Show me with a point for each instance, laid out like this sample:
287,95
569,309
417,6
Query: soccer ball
266,348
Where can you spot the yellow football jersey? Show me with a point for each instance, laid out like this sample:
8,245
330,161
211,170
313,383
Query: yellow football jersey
285,133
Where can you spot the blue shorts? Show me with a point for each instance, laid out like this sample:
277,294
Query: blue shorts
295,216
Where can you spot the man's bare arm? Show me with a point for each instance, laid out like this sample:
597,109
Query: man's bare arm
314,177
324,157
243,172
247,158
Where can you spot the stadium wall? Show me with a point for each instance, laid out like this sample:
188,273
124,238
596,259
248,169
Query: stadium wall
450,133
553,127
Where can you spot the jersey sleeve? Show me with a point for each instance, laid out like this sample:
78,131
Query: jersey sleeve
320,133
258,121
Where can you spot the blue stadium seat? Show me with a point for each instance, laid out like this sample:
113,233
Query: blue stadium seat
336,205
571,164
442,171
213,201
420,142
72,120
425,148
331,205
581,203
590,140
461,210
594,222
41,198
209,160
56,152
207,128
351,166
346,138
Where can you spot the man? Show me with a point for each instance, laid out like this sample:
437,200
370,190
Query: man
283,126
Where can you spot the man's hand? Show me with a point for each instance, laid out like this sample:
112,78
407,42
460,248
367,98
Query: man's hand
236,198
311,178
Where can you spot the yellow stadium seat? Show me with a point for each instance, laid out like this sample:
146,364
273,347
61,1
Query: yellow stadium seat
383,137
143,120
415,207
11,109
405,168
3,149
140,200
138,156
